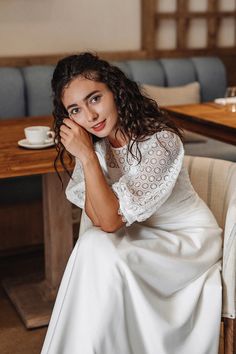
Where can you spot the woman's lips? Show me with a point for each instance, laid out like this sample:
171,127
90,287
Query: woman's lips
99,126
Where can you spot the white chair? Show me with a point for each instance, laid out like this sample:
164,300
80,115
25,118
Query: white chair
215,182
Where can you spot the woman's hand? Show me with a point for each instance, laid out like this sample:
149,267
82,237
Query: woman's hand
76,140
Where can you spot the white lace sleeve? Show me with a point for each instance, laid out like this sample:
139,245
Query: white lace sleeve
75,190
148,185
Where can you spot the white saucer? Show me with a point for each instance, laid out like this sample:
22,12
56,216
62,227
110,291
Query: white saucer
224,101
24,143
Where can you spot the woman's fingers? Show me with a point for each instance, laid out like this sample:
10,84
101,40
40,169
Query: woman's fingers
69,123
63,134
75,138
69,132
64,129
67,128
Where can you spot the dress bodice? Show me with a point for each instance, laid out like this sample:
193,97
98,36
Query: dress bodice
142,187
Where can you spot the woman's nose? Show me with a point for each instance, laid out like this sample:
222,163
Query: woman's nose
91,115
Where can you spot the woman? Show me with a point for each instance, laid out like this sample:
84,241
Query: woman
144,278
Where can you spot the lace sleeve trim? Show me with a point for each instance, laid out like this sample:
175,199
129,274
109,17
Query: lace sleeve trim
75,191
141,193
123,218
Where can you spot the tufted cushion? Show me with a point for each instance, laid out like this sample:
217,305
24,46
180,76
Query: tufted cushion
167,96
38,89
124,66
178,71
12,95
147,71
211,73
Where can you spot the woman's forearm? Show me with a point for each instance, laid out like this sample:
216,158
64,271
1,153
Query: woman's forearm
101,200
90,211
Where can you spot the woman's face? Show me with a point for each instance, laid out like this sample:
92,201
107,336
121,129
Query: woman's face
91,105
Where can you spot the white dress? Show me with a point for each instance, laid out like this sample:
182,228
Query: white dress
154,286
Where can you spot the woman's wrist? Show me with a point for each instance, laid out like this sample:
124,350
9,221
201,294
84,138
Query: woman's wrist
88,158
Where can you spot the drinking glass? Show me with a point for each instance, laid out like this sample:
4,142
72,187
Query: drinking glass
230,95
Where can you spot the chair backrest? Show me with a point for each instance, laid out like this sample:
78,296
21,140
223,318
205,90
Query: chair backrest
210,72
12,95
38,95
215,182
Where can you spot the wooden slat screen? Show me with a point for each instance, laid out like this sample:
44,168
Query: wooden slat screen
183,17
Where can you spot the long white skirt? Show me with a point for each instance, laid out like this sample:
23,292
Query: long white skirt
142,290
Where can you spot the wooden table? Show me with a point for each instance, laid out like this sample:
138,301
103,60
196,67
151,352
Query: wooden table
210,119
34,299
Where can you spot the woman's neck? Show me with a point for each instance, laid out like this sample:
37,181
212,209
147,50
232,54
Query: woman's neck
117,140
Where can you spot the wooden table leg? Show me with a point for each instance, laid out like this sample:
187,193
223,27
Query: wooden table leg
34,299
58,237
229,336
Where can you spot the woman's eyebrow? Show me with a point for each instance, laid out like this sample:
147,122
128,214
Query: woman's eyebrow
90,94
84,99
71,106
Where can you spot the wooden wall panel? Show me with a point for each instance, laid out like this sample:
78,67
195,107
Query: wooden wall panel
21,225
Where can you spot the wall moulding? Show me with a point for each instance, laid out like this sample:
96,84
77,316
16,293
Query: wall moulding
53,59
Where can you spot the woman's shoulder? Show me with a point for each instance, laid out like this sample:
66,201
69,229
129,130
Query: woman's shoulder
162,139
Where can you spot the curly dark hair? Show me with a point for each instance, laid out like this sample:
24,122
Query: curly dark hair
138,115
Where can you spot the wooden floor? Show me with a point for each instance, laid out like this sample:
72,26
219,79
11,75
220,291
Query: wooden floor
14,337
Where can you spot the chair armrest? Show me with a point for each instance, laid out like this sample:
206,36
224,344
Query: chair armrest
229,262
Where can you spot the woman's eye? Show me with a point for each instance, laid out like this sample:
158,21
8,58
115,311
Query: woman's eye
96,99
74,111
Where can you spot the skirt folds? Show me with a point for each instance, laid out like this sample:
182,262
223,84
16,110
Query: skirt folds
142,290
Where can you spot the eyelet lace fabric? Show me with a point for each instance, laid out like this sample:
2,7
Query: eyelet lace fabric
75,191
141,188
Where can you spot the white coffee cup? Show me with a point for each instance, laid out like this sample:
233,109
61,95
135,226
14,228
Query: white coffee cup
39,135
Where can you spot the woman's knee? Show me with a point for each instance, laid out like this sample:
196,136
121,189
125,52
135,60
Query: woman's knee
99,250
96,243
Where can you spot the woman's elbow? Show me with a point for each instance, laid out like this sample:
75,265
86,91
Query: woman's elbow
96,224
111,228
